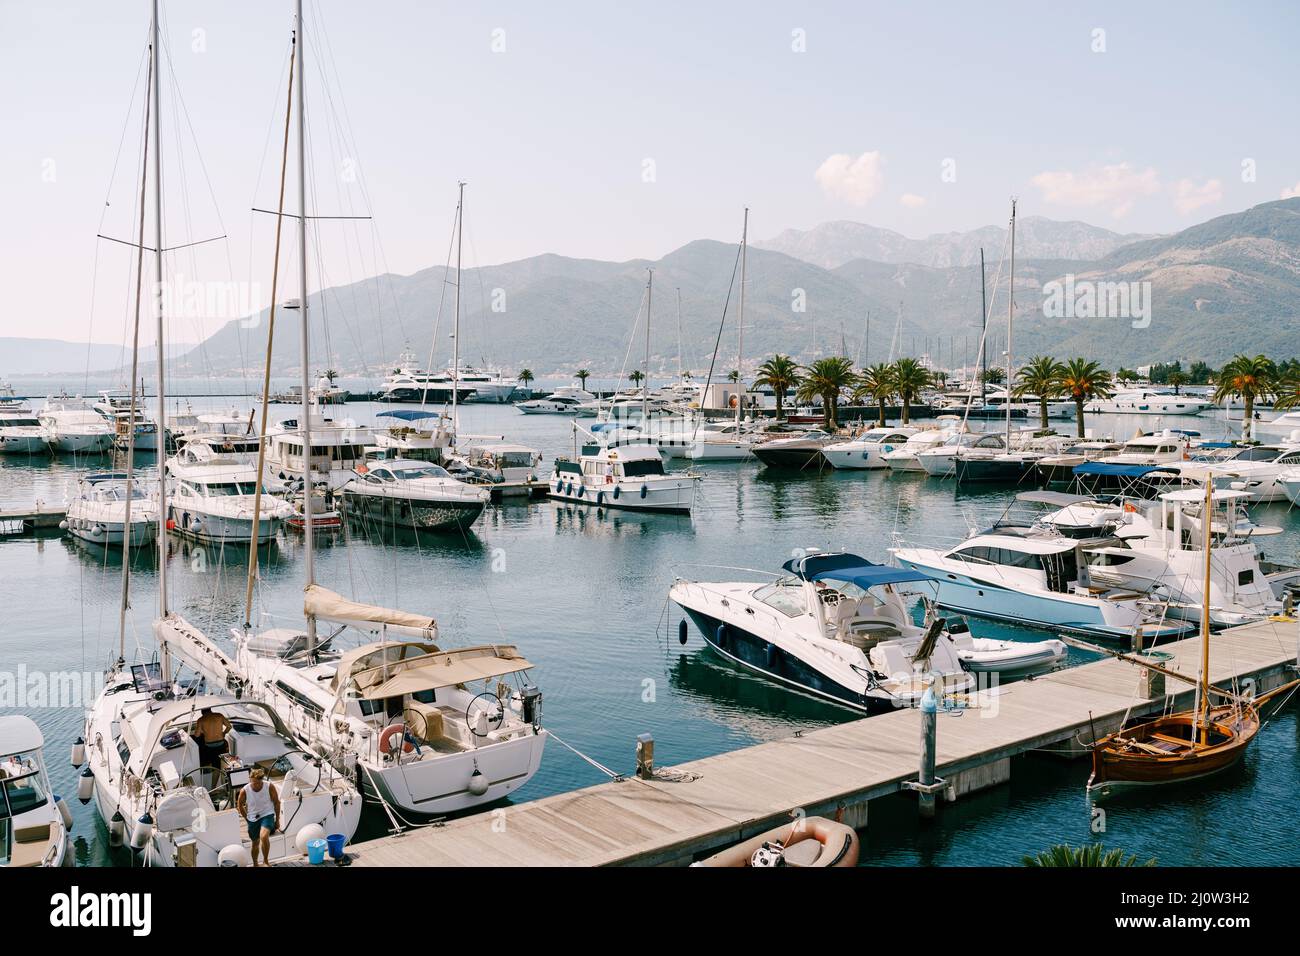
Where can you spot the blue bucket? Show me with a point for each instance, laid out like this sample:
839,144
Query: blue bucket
336,841
316,851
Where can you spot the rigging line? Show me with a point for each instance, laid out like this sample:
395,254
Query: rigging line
708,379
442,299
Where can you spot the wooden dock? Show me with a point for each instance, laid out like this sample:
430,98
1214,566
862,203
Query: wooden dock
23,520
704,805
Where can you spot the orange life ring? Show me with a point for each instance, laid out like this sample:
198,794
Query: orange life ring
734,402
386,745
362,469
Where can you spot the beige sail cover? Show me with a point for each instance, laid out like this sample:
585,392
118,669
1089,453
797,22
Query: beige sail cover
321,602
392,669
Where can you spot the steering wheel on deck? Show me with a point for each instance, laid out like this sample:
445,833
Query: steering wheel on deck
499,716
830,598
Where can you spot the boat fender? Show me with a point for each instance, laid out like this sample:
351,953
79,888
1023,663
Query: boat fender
85,786
478,784
64,812
78,752
97,530
393,737
234,854
143,831
957,626
681,631
600,497
63,525
617,491
721,634
644,490
312,831
117,829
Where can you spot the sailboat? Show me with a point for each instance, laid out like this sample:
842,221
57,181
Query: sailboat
422,730
153,784
1187,745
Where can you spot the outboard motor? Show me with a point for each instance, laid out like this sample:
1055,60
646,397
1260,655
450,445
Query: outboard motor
532,704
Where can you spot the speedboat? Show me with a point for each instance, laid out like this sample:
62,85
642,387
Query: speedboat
1059,468
868,449
1148,401
1035,575
34,822
425,731
904,458
562,401
630,477
940,461
21,432
212,498
415,434
1256,470
800,452
414,494
498,462
834,625
74,427
98,512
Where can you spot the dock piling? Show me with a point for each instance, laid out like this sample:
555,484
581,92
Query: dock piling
645,756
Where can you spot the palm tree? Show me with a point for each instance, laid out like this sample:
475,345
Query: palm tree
1125,375
1083,381
525,377
1248,379
1177,380
1041,377
1287,392
875,384
910,378
994,376
780,373
582,376
1094,854
733,375
637,376
331,375
825,379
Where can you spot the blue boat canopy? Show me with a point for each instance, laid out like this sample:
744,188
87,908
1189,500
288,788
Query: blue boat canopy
1123,471
850,567
409,414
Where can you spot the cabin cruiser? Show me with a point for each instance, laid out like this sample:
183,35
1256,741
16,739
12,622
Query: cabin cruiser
798,452
1013,466
74,427
409,383
1034,574
629,477
336,451
415,434
144,769
722,442
424,730
21,432
562,401
1059,468
939,461
1148,401
414,494
324,392
904,458
229,435
98,511
834,625
1255,469
115,405
212,497
1159,551
868,449
498,462
34,823
1156,449
1284,426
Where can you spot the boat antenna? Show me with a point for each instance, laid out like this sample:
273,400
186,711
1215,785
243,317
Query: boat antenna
308,544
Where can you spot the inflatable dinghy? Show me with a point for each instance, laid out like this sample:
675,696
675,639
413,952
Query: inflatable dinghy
1009,658
812,841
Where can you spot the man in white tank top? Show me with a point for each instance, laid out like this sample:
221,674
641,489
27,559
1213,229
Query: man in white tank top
259,804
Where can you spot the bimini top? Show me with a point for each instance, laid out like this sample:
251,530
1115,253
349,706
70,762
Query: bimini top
843,566
393,668
409,414
1123,471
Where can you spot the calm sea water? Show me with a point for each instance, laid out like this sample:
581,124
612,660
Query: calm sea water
585,597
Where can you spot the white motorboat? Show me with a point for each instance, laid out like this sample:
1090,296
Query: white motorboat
835,626
34,822
498,462
630,477
409,383
74,427
562,401
904,458
116,407
337,448
717,442
1160,448
1283,426
213,496
426,731
21,432
868,449
415,434
940,461
99,511
1059,468
414,494
1257,470
1148,401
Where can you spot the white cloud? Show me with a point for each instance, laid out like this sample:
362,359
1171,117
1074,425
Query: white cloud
1189,196
1117,186
912,200
1291,192
855,181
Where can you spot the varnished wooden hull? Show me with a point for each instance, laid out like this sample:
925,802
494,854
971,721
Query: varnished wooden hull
1160,751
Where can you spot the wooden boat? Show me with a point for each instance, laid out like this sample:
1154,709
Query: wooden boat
807,842
1189,745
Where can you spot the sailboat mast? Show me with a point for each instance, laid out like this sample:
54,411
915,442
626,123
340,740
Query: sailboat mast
645,382
740,325
1011,305
679,334
162,381
455,334
984,318
1203,686
308,543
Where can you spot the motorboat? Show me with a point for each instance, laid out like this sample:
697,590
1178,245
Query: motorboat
1254,469
1148,401
629,477
423,730
868,449
409,383
805,842
723,442
1009,467
940,461
1059,468
1283,426
562,401
21,432
337,448
1033,574
1162,447
213,498
414,494
904,458
498,462
124,411
835,625
798,452
415,434
99,511
35,824
74,427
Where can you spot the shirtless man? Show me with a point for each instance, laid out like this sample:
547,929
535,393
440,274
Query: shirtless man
210,731
259,804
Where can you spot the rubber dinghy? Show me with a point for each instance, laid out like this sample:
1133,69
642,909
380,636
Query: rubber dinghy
982,655
807,842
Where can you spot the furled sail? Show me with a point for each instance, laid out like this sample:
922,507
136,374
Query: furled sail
324,604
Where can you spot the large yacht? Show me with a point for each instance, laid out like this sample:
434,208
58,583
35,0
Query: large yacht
212,498
337,449
74,427
1148,401
562,401
21,432
409,383
115,405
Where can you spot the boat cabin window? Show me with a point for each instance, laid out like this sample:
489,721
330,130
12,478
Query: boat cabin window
306,703
21,786
229,488
425,471
1006,557
647,466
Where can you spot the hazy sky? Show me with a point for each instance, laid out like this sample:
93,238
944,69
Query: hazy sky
618,130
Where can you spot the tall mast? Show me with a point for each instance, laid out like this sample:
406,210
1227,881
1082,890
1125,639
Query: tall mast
679,334
1203,686
645,382
308,544
1011,303
162,390
984,318
455,335
740,326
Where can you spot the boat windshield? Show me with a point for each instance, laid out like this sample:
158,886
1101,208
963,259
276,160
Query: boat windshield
785,595
21,786
225,488
423,471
